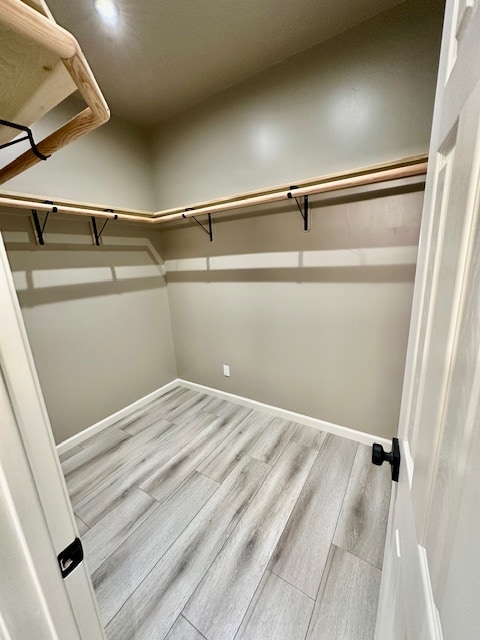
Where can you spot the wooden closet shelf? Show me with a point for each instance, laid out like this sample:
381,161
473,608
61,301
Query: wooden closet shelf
40,65
386,172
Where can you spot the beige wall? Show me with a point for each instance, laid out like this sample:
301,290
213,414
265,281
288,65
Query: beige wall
107,166
97,318
319,326
363,97
318,322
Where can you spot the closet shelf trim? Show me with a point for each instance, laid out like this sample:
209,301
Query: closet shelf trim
405,168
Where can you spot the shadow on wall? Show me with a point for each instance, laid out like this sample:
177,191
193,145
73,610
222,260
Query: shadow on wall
68,267
367,236
360,273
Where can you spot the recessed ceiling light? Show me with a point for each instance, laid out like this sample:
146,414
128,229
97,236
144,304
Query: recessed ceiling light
108,11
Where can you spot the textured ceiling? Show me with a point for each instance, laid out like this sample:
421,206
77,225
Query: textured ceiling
168,55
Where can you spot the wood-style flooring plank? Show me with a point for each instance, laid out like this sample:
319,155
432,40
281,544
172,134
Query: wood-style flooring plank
234,412
221,461
183,630
278,611
203,549
188,408
98,469
271,443
81,526
233,408
309,436
302,550
347,601
164,481
82,459
118,577
220,601
108,493
362,525
71,452
152,609
217,406
156,411
113,529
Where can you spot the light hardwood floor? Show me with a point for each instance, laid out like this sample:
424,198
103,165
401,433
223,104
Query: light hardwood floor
202,519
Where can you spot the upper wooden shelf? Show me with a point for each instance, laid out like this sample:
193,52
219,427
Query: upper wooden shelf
41,64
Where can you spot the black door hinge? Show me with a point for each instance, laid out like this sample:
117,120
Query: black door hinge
70,557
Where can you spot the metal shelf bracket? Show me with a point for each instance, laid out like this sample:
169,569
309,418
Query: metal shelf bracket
208,230
40,228
305,211
29,137
96,233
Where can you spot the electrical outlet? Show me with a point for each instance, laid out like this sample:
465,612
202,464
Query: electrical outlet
226,370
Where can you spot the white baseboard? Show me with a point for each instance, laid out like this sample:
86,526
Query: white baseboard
322,425
80,437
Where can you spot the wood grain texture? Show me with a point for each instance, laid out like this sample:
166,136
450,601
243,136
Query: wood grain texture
203,549
99,449
219,603
114,528
183,630
269,446
278,611
81,526
28,24
217,406
188,408
100,468
302,550
152,609
347,601
68,454
402,162
150,414
163,482
309,436
347,182
128,476
235,411
91,118
362,525
128,565
220,463
21,19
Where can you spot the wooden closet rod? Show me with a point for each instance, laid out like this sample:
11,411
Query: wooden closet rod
406,168
313,189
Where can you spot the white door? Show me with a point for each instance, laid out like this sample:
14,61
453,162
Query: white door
36,520
430,583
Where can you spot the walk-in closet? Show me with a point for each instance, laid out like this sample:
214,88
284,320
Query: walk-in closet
237,339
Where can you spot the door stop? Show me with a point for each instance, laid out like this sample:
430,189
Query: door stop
379,456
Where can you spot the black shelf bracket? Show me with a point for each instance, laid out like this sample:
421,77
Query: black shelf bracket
29,137
305,211
40,228
96,233
208,230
